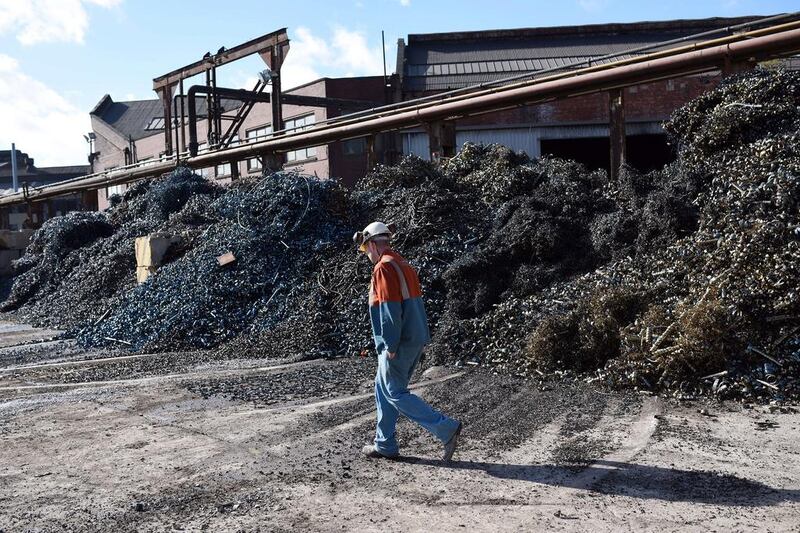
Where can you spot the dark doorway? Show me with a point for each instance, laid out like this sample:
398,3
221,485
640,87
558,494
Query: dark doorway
593,152
648,152
644,152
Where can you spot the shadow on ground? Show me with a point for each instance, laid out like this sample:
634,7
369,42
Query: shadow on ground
635,480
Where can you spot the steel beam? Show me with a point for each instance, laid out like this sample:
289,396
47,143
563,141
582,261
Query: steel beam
166,96
235,94
254,46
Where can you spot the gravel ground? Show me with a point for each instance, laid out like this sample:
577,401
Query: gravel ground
234,447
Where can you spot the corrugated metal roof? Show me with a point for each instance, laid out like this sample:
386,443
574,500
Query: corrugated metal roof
449,61
131,118
467,74
431,52
65,172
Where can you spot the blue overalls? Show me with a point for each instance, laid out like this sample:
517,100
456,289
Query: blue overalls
400,326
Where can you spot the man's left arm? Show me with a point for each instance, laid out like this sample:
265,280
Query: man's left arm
390,310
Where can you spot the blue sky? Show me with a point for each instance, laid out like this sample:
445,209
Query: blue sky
59,57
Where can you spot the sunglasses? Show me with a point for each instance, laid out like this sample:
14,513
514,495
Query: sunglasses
360,239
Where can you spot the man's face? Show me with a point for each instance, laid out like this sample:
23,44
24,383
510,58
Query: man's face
372,252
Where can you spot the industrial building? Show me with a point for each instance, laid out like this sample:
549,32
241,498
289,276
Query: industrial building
29,176
133,132
130,132
575,128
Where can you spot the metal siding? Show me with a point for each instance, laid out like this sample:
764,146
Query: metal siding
416,143
519,139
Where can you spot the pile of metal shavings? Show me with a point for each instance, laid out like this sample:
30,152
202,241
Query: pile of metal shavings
721,307
683,280
78,263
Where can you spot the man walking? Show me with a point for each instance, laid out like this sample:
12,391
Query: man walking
400,329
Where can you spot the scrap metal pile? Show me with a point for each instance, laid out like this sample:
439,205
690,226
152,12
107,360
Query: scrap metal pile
682,280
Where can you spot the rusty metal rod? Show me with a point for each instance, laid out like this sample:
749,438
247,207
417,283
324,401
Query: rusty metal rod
646,70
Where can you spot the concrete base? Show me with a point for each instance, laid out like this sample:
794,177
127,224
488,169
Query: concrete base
143,272
150,251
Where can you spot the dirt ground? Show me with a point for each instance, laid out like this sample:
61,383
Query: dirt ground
97,441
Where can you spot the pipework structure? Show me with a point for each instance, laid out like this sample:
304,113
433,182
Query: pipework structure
272,48
741,49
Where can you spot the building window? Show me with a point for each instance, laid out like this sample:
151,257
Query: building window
299,124
354,146
115,189
257,134
223,170
157,123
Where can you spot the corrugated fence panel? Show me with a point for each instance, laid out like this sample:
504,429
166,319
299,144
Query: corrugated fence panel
416,143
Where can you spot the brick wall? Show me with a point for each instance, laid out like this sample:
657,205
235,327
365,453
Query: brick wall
645,103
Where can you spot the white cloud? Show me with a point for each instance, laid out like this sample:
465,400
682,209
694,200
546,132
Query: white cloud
39,120
43,21
405,3
345,53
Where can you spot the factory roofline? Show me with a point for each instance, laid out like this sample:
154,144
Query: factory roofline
444,61
695,25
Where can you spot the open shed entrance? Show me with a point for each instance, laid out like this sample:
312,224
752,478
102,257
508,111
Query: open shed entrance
645,152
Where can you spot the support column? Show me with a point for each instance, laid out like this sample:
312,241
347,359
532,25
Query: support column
441,139
209,111
89,200
274,59
372,157
166,96
735,67
183,119
273,162
616,131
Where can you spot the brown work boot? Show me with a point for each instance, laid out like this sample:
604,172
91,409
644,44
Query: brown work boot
371,452
450,446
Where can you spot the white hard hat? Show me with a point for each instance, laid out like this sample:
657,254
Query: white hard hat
375,229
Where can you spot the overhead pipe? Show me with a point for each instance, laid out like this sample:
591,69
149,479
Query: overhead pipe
595,63
647,69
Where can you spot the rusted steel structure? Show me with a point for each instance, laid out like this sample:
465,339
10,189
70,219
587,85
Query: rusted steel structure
258,96
742,48
272,48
